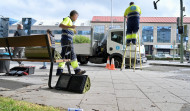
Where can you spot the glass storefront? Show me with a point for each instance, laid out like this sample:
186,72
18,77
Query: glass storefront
147,33
149,49
164,34
84,32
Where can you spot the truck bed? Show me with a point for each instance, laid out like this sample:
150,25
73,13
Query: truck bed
80,49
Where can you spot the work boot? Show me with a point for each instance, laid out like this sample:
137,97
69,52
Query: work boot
80,72
59,72
43,67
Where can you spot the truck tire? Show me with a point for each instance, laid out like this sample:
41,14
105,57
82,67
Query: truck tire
83,60
117,62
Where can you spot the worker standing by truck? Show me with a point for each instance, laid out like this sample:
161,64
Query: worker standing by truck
132,13
68,30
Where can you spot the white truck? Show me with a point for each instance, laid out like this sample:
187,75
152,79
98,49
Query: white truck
110,46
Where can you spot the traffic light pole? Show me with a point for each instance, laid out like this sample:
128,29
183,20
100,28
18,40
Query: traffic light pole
181,24
181,46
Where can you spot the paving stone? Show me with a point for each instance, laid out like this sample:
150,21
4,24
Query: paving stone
152,89
121,81
125,86
91,107
99,99
171,107
102,84
101,90
136,104
165,98
130,94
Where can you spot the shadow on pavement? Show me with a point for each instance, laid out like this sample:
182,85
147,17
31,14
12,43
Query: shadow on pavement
13,85
58,91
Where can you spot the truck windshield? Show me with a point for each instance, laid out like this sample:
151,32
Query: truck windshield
104,40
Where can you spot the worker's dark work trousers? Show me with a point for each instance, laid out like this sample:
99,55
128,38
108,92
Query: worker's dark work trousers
67,48
132,28
68,53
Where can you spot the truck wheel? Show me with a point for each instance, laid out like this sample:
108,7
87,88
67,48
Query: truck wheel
117,62
83,60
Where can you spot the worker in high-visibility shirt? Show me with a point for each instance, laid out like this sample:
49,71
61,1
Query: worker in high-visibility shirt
68,30
132,13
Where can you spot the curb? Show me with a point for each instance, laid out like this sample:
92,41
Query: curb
176,65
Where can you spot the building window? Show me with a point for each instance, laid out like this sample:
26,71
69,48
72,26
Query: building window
99,28
99,32
117,37
57,32
147,33
12,31
164,34
44,31
149,49
114,27
84,32
38,31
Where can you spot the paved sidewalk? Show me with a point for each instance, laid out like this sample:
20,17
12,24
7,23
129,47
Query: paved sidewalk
169,63
111,91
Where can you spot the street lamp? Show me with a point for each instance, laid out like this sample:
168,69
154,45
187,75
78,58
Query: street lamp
111,16
181,14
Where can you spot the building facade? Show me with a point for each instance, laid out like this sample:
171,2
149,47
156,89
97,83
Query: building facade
159,34
41,29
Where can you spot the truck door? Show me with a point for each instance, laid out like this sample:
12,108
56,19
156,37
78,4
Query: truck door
115,41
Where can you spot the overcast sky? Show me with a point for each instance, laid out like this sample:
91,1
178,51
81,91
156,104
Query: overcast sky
57,9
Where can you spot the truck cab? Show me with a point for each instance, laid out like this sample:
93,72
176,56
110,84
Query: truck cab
116,49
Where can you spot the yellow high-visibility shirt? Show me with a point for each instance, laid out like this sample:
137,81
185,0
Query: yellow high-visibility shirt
68,22
131,9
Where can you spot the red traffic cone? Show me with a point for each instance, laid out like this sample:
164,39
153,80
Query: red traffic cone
112,65
108,63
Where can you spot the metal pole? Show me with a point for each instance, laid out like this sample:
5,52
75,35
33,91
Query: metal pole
111,16
130,56
181,46
173,49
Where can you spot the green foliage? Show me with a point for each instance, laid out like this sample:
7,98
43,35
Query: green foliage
149,57
80,39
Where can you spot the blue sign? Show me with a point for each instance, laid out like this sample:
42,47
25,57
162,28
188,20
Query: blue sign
117,48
